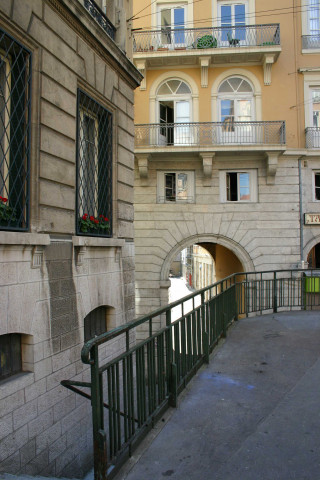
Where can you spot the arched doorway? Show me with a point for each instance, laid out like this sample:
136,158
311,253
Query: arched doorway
313,258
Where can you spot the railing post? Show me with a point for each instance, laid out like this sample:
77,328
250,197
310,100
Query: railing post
171,367
275,293
173,385
205,339
99,435
224,325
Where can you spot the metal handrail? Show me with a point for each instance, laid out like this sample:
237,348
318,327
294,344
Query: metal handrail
210,133
202,38
146,377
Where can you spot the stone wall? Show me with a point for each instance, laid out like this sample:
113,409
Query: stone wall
264,235
50,278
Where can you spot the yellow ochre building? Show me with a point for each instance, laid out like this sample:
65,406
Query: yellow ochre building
227,136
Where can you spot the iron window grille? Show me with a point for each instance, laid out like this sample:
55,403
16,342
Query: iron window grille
94,168
15,99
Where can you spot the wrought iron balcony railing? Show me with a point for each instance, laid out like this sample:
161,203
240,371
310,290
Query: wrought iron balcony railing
208,134
310,41
100,17
313,137
203,38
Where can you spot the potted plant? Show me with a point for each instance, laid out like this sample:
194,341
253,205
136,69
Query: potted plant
91,224
161,47
207,41
7,213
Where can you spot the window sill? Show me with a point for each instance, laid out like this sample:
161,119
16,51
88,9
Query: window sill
20,238
97,242
310,50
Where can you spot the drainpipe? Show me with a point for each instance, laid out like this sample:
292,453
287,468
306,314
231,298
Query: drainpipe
301,212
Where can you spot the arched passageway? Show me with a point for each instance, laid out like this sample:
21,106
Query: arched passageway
200,264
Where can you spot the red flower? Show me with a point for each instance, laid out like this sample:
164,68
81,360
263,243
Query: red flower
92,218
85,216
96,221
4,199
100,216
106,219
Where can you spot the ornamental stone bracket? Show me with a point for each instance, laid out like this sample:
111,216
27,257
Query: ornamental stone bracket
204,62
80,252
272,166
207,163
142,67
37,256
143,159
268,61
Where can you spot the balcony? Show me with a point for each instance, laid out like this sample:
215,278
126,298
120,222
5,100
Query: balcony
217,135
95,11
247,44
313,137
310,41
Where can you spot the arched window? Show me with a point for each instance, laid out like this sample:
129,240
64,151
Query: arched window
174,107
236,111
236,100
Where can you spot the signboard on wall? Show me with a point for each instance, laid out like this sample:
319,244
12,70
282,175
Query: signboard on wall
312,218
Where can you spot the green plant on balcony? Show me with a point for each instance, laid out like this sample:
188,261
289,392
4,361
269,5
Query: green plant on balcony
207,41
92,224
7,213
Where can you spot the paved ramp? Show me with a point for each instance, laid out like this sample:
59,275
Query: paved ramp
252,414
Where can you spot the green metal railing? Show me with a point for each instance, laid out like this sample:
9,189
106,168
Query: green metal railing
145,377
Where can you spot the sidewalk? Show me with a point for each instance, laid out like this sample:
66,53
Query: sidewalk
252,414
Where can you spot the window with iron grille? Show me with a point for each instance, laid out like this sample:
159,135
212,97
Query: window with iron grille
94,168
10,355
15,93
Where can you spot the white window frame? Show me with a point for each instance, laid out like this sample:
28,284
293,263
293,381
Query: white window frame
305,19
232,4
182,132
236,97
253,185
171,27
314,173
250,11
155,6
311,82
161,193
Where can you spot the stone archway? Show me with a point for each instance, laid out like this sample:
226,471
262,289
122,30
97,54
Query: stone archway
312,245
231,245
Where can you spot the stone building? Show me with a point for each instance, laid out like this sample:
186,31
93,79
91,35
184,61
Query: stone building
227,133
66,218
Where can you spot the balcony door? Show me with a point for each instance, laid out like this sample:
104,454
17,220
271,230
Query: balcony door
236,111
174,107
232,17
171,23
